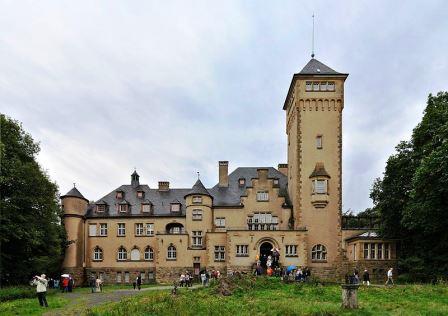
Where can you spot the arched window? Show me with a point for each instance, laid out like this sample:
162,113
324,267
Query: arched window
319,252
135,254
172,254
97,254
149,254
122,254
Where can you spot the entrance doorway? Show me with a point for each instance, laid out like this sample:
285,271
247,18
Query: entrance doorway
265,251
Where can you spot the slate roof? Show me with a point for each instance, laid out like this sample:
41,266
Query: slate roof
198,188
319,170
161,200
74,193
315,67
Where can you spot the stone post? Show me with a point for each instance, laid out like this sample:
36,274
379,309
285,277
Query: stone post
350,296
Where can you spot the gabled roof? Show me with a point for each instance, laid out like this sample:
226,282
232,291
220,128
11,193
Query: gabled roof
319,171
315,67
198,188
74,193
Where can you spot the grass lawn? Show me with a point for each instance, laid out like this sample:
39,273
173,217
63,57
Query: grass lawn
271,297
30,306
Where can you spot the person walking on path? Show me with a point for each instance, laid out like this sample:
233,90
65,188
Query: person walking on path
41,288
389,277
366,277
98,285
92,282
139,282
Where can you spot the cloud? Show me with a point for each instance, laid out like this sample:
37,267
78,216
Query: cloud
173,87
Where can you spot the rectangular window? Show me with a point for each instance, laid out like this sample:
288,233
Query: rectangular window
291,250
143,275
197,199
262,196
122,208
197,215
320,186
330,86
319,142
275,182
323,86
220,222
103,229
386,251
101,208
197,238
315,86
175,207
121,229
149,229
242,250
308,86
118,277
379,254
366,251
126,277
92,230
220,253
140,194
146,208
372,251
139,229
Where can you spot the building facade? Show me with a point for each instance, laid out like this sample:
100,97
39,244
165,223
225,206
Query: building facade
296,208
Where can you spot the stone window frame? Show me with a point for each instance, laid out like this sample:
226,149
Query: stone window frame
319,141
103,229
171,254
386,251
98,254
242,250
220,253
263,196
139,229
221,221
196,214
197,199
148,254
91,225
123,228
149,232
122,254
139,254
197,238
319,253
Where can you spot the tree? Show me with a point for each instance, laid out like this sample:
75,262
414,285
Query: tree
31,234
412,197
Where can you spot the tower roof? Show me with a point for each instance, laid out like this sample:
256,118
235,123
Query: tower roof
74,193
198,188
315,67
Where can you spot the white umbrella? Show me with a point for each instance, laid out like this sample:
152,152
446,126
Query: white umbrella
65,275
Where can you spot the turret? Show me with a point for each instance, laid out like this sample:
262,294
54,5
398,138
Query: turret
74,205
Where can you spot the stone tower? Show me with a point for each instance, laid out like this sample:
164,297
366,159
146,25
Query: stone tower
74,205
313,108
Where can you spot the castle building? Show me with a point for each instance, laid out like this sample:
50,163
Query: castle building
296,208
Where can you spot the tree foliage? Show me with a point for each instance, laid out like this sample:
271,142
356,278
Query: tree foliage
31,234
412,197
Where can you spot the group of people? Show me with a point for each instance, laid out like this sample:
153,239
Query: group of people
355,278
137,284
96,284
186,279
302,275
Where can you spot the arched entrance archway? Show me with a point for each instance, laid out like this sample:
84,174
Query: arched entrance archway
265,251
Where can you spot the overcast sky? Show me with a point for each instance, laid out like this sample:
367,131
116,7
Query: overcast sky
172,87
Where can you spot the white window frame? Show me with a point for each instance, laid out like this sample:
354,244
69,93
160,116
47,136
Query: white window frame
149,254
103,229
309,86
320,186
171,253
175,208
196,215
220,253
123,208
122,254
291,250
323,86
139,229
331,86
197,199
220,222
316,86
149,229
242,250
197,238
92,230
121,229
97,254
319,253
262,196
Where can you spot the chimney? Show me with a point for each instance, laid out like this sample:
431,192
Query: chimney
283,168
164,185
262,174
223,174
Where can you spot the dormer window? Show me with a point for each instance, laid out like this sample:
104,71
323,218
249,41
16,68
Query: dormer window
140,194
123,207
275,182
241,182
175,207
100,208
197,199
146,207
119,195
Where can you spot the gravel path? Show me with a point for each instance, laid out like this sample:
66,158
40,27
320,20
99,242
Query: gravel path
80,301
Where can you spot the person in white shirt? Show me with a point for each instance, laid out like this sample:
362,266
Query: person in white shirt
389,277
41,284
